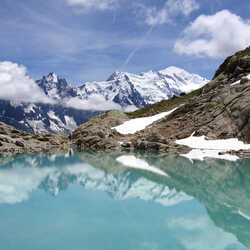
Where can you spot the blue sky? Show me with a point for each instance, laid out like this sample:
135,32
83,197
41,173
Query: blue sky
86,40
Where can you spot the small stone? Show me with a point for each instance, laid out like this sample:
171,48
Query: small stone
244,80
19,144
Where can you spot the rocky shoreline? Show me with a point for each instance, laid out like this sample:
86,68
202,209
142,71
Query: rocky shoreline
18,142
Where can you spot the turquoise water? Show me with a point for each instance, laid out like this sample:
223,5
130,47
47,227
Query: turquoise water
101,201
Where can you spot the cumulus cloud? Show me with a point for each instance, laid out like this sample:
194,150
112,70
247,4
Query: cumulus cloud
94,102
16,85
94,4
154,16
215,36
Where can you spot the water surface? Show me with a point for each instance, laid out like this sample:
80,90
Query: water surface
101,201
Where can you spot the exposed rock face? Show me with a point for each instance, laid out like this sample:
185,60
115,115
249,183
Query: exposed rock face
235,65
16,141
98,132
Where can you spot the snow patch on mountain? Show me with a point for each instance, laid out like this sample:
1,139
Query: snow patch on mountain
38,126
70,123
57,125
30,108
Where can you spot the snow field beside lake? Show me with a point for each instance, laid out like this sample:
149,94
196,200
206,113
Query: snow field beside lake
134,125
203,148
200,142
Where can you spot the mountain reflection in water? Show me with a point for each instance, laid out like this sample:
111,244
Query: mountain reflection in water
221,187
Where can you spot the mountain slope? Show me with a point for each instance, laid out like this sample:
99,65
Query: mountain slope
40,118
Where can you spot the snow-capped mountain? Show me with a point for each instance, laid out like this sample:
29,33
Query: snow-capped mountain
41,118
122,90
143,89
55,87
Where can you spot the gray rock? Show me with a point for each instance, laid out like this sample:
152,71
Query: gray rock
19,144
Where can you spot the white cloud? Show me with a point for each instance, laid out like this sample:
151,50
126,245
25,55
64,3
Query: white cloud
154,17
94,102
130,108
16,85
215,36
94,4
184,7
171,8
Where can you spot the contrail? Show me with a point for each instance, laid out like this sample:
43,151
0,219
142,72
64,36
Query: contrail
138,47
114,17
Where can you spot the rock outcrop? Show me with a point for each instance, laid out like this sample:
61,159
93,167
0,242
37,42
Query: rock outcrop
98,132
16,141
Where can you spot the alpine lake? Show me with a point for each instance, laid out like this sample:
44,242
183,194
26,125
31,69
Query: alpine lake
123,201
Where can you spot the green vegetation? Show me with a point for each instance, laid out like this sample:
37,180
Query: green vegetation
163,105
242,53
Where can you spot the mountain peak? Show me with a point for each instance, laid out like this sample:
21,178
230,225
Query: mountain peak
55,87
52,77
117,75
172,70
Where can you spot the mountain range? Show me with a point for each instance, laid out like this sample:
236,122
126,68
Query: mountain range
74,105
